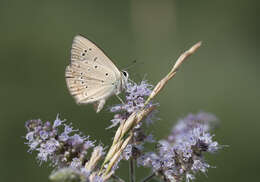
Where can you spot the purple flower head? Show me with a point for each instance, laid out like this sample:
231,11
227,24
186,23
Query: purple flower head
135,98
136,95
57,122
181,155
44,134
57,143
203,120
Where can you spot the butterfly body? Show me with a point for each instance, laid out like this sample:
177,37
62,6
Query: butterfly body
91,76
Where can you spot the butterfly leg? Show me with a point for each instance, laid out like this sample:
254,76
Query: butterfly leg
98,106
120,99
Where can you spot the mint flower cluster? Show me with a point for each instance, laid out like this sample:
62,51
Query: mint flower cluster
76,158
134,101
181,155
65,148
57,142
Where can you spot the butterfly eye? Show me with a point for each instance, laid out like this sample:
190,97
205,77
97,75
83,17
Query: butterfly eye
125,73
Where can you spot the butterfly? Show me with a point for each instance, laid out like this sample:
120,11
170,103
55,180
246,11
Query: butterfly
91,76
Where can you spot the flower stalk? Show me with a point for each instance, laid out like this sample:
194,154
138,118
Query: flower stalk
138,116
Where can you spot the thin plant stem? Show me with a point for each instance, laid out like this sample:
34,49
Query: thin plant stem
117,178
132,169
119,142
148,177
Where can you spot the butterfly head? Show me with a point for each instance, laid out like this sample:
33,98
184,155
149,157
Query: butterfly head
124,79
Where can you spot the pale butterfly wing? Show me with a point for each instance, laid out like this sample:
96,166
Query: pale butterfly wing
86,88
91,76
83,49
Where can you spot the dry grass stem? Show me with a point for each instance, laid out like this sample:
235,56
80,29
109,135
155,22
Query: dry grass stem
94,159
116,156
173,72
119,143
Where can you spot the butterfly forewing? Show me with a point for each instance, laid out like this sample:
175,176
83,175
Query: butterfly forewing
91,76
84,49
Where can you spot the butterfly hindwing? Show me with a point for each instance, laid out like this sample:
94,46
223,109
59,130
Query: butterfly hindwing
86,87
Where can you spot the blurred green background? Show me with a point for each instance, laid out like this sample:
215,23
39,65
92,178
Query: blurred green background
222,77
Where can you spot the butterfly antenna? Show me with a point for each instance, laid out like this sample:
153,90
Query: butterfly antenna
134,75
131,65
